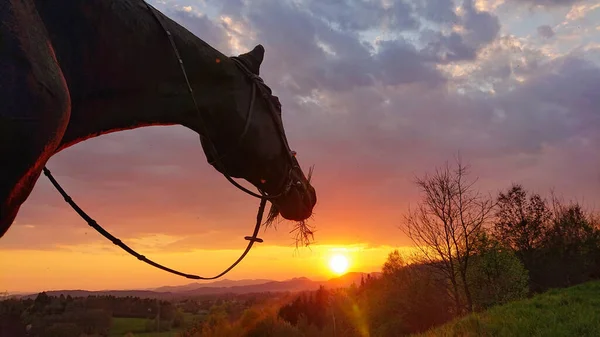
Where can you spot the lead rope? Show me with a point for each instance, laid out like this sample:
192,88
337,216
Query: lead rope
92,223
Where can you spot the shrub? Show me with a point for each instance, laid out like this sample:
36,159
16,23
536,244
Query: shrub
496,275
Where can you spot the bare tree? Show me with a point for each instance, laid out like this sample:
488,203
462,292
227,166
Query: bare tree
445,225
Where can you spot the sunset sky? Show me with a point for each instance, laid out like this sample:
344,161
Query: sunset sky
374,93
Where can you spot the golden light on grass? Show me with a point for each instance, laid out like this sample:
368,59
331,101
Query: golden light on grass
339,264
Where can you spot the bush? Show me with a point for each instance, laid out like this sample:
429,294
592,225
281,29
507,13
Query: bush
496,274
63,330
405,299
11,321
249,318
273,327
94,321
571,246
178,319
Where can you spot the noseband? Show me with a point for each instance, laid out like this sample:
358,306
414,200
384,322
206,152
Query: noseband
265,91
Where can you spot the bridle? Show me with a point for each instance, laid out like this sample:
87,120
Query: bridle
285,186
265,91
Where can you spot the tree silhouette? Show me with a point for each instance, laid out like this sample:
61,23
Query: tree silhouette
445,224
521,221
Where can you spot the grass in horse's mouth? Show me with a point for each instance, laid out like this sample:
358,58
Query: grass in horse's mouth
303,231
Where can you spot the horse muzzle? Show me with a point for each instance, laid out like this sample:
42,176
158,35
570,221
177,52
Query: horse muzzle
298,203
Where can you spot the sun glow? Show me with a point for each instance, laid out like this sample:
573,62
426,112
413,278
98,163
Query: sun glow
338,264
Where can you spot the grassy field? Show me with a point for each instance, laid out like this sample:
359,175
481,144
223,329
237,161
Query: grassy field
137,326
569,312
121,326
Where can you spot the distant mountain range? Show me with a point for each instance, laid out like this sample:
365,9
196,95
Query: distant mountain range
221,287
216,284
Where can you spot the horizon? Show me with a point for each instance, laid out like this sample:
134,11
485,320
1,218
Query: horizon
199,283
374,94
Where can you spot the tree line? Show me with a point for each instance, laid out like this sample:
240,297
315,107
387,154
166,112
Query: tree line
76,316
490,250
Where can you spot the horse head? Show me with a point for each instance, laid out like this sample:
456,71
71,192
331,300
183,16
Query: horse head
253,145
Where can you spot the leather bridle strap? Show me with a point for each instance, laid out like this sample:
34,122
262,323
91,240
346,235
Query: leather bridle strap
92,223
204,132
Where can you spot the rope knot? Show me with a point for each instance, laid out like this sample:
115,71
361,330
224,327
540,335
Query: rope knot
253,239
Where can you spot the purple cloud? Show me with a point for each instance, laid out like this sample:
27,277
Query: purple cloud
549,3
545,31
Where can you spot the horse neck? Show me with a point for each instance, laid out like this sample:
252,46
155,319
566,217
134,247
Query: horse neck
122,71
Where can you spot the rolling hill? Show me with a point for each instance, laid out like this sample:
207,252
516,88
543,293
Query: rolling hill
216,284
572,311
221,287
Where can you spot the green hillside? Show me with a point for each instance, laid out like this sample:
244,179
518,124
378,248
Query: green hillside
569,312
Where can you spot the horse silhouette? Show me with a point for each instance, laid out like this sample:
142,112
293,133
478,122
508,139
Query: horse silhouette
74,69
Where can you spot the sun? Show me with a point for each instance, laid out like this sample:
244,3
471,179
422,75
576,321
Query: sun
338,264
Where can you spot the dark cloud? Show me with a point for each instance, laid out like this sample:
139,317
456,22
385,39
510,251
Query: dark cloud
545,31
551,107
448,48
481,27
500,66
317,56
400,63
348,15
569,90
478,30
360,15
401,16
437,11
548,3
231,7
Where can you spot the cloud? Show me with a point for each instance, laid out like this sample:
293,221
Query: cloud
580,11
550,3
545,31
199,24
481,27
461,39
438,11
400,63
358,15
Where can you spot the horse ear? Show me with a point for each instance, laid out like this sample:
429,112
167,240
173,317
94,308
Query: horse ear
254,58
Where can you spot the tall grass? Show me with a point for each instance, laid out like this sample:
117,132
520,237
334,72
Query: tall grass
572,311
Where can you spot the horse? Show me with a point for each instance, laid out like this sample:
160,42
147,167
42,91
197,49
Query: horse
78,69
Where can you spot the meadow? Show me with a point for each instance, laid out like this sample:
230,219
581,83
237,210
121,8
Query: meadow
126,326
573,311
